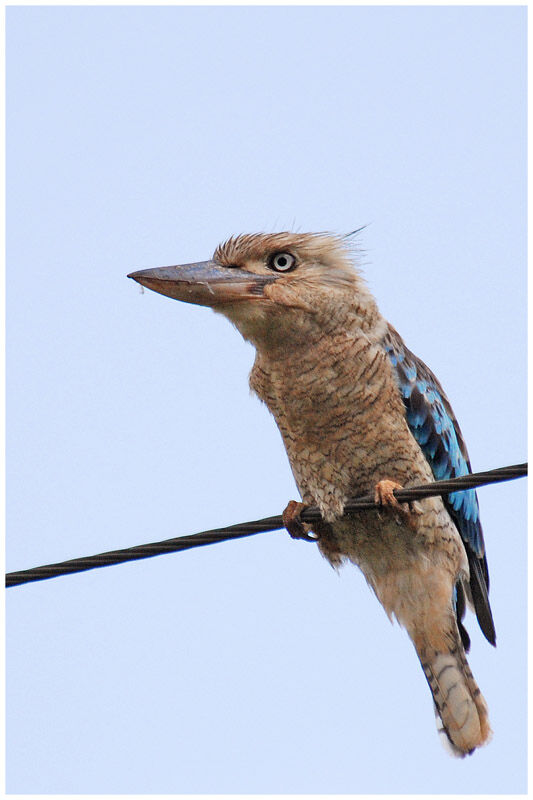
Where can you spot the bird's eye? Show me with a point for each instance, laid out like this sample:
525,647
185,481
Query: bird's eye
282,262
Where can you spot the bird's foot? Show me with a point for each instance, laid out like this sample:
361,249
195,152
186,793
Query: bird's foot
384,496
384,493
293,523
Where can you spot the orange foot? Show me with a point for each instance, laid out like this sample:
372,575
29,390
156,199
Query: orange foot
384,494
293,523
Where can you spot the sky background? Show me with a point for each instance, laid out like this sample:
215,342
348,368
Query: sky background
141,137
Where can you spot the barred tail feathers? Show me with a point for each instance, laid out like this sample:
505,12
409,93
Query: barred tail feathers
461,711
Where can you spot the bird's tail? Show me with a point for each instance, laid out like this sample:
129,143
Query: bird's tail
461,711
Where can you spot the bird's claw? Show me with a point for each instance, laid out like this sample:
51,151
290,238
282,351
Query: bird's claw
291,519
384,493
384,496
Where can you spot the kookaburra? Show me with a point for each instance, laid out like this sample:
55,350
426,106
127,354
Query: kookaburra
359,413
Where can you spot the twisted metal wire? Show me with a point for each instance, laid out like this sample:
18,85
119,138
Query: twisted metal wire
242,529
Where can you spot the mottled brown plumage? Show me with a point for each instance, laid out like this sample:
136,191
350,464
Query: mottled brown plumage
322,369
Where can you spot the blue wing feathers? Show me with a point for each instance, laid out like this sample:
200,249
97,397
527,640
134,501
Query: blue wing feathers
435,431
431,421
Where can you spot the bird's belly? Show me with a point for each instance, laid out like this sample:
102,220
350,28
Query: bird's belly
377,541
329,473
405,562
384,540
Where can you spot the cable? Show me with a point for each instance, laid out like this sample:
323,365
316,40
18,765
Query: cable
243,529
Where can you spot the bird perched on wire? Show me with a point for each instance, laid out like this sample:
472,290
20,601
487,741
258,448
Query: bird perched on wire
358,412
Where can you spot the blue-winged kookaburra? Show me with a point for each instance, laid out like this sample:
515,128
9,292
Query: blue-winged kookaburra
359,413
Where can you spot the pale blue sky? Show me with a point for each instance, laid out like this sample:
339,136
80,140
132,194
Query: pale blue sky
140,137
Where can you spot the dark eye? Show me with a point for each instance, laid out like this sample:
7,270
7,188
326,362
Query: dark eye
282,262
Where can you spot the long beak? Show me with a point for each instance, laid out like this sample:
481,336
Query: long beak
205,283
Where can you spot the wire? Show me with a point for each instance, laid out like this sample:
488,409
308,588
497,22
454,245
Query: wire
243,529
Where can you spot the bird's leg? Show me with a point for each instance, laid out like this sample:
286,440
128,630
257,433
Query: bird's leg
293,523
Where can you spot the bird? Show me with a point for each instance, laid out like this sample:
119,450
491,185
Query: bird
358,412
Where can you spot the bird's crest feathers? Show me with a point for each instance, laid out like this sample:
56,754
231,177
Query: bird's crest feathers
323,258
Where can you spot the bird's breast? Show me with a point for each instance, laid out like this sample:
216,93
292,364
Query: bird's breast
342,420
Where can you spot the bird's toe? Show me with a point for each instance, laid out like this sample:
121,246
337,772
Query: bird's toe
384,493
403,512
291,519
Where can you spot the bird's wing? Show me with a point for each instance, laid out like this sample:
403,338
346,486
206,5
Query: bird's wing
432,422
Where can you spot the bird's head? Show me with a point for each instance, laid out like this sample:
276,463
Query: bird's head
273,287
